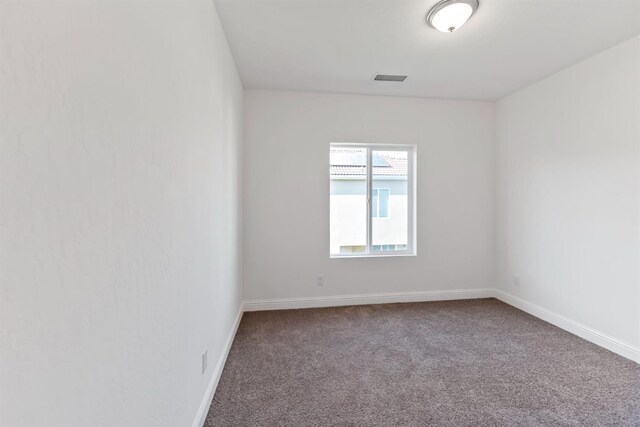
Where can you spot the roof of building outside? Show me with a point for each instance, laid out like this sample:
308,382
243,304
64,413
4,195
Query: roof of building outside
349,161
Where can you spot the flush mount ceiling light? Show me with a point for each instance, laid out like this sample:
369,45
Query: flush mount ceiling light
449,15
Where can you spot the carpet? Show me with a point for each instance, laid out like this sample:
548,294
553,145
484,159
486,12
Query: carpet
451,363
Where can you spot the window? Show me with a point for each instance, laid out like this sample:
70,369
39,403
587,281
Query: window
380,202
372,202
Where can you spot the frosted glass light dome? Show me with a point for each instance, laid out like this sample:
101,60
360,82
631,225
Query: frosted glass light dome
449,15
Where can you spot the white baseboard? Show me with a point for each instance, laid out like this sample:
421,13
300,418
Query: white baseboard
603,340
203,410
381,298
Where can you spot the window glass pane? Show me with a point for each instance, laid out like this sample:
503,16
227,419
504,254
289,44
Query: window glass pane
389,174
348,200
383,202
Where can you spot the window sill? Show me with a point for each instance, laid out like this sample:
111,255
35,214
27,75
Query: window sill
372,255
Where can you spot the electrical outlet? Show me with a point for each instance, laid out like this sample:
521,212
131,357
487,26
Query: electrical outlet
204,361
320,281
516,281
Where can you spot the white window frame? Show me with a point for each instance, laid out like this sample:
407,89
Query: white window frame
411,198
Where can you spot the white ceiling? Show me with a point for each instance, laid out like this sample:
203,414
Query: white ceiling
338,46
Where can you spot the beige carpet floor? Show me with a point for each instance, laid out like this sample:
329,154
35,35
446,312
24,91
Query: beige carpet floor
455,363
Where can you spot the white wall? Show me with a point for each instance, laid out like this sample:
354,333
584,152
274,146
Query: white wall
120,213
569,192
286,193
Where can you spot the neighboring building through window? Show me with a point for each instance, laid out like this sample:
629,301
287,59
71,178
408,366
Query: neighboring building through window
380,202
371,199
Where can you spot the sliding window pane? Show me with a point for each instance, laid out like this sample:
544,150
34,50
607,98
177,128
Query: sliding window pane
389,211
348,200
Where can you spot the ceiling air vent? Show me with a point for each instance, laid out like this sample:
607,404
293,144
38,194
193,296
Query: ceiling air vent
389,78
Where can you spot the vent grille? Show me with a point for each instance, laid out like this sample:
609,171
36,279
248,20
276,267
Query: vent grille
389,78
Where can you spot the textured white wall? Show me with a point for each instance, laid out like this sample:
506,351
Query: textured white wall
569,192
120,213
286,193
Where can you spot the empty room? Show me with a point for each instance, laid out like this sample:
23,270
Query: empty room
319,213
